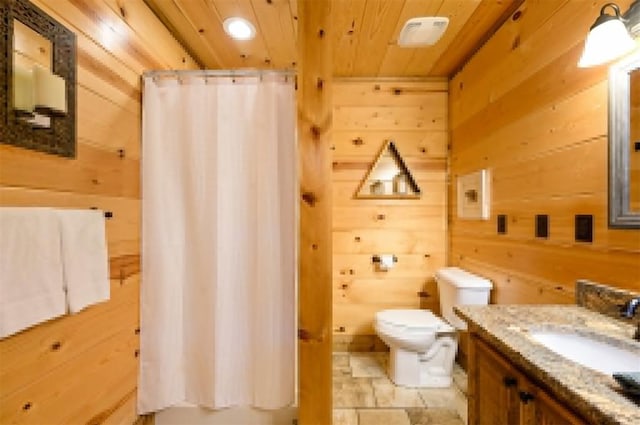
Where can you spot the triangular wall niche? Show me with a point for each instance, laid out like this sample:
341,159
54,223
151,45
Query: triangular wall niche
388,177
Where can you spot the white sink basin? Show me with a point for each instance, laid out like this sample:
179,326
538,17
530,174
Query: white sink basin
590,352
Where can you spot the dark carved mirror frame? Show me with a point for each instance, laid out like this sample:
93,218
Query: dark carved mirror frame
60,138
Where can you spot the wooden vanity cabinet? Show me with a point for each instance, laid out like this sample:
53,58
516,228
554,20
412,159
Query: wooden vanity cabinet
499,394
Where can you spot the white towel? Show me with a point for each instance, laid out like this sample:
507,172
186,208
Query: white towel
31,279
84,255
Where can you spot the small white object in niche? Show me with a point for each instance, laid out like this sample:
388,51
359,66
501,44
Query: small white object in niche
473,195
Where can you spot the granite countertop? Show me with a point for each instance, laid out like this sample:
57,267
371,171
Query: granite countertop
591,394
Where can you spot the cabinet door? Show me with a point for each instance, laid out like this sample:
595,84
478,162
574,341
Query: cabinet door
495,388
527,402
550,412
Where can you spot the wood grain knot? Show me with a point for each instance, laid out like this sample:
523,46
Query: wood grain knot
357,239
309,198
56,346
321,33
137,331
397,91
516,43
121,153
320,84
423,294
315,131
357,141
344,286
304,335
136,353
381,217
314,247
27,406
427,255
351,271
517,15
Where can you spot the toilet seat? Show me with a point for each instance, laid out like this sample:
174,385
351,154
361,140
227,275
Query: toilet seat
411,322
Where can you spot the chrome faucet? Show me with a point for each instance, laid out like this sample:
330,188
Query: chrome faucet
629,310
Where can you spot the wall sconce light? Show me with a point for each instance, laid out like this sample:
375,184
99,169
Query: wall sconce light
611,36
38,92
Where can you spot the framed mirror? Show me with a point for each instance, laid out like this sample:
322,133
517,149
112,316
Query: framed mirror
624,143
30,38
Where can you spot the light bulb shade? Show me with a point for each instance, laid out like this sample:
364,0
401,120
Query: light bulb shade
606,41
49,92
23,91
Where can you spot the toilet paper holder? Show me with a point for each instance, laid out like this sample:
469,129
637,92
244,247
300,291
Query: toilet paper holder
384,262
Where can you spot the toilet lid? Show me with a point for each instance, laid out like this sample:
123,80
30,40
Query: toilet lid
413,319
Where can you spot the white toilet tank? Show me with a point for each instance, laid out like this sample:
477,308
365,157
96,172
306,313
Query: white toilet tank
459,287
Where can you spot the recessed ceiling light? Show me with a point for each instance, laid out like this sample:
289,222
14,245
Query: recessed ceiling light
239,28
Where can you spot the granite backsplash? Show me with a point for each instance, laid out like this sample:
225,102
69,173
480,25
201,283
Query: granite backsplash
604,299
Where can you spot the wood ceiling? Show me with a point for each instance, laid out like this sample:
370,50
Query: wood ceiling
364,33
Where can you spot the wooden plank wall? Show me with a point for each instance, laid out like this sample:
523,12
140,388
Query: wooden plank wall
365,114
82,368
523,110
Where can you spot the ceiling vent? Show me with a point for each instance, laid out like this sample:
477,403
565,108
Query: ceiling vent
425,31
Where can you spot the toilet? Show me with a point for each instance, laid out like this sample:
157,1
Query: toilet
423,346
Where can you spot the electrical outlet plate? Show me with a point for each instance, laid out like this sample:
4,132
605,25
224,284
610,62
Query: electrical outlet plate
542,226
502,224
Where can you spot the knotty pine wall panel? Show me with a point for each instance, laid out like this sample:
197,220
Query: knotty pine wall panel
82,368
366,113
522,109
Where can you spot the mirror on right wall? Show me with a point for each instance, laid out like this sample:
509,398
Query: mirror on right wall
624,143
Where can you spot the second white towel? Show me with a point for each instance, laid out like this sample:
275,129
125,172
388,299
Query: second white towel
84,256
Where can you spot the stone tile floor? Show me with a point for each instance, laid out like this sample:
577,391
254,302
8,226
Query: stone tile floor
364,395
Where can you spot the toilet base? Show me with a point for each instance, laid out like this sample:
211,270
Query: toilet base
432,369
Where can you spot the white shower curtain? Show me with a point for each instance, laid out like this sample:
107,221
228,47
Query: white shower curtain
218,241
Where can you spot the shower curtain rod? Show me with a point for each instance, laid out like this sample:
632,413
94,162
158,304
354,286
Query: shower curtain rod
217,73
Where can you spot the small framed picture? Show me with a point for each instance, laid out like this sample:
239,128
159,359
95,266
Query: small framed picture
473,195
